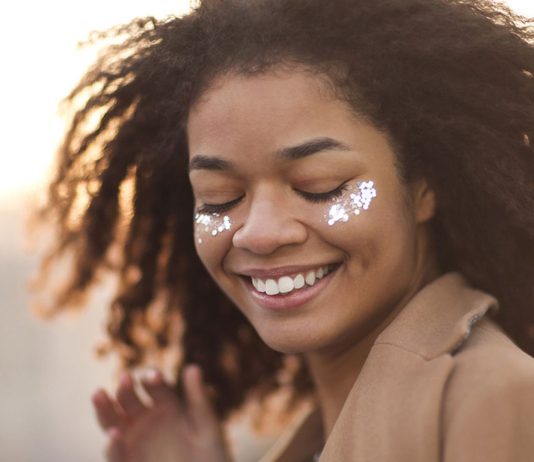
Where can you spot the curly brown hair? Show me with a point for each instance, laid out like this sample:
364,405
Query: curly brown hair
450,81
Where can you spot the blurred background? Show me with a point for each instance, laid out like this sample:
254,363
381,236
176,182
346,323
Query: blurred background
49,369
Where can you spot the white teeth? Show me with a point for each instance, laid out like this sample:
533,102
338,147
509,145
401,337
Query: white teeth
310,278
299,281
285,284
271,287
258,284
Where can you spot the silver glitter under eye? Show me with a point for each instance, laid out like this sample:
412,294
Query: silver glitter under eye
351,203
211,225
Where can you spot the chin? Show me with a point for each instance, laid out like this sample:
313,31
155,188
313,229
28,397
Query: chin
289,348
289,343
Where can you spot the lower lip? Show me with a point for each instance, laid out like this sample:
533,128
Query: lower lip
293,299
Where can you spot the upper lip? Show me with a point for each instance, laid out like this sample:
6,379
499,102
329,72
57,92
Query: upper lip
278,272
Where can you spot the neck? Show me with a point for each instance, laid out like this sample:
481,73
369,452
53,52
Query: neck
335,371
334,374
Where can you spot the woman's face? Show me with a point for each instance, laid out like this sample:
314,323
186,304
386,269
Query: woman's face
302,218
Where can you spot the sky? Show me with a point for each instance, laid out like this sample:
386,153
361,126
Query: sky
41,62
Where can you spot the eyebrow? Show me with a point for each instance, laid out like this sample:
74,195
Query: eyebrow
312,147
203,162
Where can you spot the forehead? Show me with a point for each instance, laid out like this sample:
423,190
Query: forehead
247,121
298,80
275,104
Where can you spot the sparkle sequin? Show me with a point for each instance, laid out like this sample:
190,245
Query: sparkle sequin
354,200
211,225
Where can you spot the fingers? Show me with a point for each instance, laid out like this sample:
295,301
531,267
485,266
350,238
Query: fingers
198,403
111,413
127,397
106,412
157,389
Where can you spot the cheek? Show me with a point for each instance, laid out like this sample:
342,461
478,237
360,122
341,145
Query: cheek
208,226
367,222
346,219
213,236
356,199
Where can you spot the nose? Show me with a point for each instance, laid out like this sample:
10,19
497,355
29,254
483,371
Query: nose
269,225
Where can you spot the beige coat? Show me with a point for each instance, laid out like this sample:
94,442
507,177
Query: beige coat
441,383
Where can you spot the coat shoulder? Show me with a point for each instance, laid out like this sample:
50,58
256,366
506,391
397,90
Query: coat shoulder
489,358
488,410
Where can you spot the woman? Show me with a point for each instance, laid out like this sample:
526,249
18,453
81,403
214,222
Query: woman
360,177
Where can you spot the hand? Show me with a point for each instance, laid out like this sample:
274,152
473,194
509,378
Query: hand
166,430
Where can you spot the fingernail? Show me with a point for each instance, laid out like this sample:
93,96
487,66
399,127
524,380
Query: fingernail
114,433
124,378
152,375
98,395
195,369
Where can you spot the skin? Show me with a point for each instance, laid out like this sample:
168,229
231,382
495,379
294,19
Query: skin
164,429
237,132
385,253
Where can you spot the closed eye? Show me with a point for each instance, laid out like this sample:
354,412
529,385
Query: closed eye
214,209
323,196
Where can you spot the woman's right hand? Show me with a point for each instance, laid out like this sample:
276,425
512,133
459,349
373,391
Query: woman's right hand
166,431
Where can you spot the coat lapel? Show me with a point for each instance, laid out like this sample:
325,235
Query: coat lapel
393,411
303,440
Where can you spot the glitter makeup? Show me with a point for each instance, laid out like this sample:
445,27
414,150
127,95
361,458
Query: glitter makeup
351,203
211,225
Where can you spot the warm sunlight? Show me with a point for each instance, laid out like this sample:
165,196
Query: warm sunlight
42,63
51,369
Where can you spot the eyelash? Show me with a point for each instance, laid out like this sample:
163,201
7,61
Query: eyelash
213,209
325,196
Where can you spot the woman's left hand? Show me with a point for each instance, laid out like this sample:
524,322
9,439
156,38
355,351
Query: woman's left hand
166,430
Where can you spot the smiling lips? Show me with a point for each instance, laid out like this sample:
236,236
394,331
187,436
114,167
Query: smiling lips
287,284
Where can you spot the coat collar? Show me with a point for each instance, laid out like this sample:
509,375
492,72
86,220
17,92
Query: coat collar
436,322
